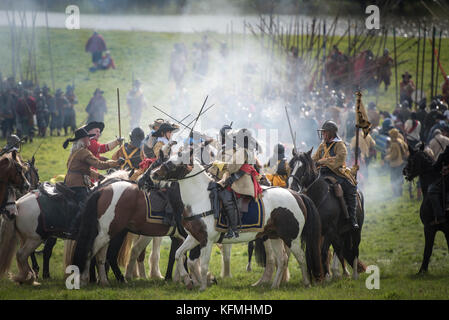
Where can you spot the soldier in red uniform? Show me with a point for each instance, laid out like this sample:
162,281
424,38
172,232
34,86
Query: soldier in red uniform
95,147
407,87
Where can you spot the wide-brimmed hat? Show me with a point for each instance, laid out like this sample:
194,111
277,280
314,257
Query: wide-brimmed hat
94,124
406,74
165,127
157,123
79,134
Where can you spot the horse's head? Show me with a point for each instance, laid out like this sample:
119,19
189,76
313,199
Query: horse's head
32,174
13,171
175,167
303,168
417,163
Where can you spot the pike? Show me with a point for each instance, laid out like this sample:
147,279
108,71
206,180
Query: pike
291,130
196,120
438,61
118,110
422,64
178,121
395,66
417,64
433,62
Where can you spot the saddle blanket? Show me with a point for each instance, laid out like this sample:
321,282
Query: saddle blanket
252,219
155,207
57,212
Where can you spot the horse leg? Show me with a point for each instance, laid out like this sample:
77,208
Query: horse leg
301,258
26,274
269,265
34,264
153,261
48,249
355,272
137,249
286,274
175,243
205,259
335,265
194,266
250,255
101,260
325,258
429,234
226,261
188,244
281,260
113,252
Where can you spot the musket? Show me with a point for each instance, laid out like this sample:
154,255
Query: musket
291,130
196,120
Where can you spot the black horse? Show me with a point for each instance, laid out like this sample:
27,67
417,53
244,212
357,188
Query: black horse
305,177
420,164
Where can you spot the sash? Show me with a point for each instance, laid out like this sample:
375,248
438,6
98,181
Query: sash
249,169
128,157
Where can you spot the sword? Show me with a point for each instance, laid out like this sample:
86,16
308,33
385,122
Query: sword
291,130
180,122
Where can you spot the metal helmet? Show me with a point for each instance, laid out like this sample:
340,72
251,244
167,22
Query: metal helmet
328,126
13,142
226,128
136,136
279,149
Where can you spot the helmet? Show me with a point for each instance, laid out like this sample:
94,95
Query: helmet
328,126
279,149
224,129
12,142
136,136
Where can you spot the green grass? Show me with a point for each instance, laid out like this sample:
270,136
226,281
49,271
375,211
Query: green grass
392,235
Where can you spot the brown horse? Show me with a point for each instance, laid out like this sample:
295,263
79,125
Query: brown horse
112,209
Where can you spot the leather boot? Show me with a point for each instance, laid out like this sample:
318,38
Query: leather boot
351,203
231,213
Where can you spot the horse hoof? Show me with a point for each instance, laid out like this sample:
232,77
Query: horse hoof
35,284
248,268
328,277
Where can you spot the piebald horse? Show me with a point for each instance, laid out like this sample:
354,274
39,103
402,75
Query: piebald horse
290,218
111,210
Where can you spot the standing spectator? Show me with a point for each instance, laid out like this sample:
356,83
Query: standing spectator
373,115
136,101
7,111
42,113
96,107
396,155
407,87
95,45
25,110
412,130
384,65
50,100
421,116
438,143
69,110
56,112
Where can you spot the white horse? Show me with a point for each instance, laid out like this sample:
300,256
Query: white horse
285,221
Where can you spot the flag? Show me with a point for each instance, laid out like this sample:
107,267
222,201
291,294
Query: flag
361,118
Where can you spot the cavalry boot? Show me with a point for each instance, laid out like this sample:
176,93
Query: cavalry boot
351,202
231,212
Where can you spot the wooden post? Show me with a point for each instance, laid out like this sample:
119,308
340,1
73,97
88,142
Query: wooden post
417,65
422,63
433,62
49,47
395,65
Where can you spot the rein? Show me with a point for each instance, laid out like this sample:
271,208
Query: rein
188,177
199,215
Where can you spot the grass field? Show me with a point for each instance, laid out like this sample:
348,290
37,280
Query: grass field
392,236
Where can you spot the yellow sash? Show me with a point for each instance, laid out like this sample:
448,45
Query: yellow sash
128,157
327,150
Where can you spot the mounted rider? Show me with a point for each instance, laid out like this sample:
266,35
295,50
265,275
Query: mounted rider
277,169
330,158
236,173
79,169
131,151
95,129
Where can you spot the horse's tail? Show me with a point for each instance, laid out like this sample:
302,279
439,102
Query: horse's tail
311,235
88,230
69,247
8,243
125,250
259,252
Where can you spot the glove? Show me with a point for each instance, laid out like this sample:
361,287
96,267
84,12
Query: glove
120,161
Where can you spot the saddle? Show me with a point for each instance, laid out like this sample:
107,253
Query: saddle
58,207
158,207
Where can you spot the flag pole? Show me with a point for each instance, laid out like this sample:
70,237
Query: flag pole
357,128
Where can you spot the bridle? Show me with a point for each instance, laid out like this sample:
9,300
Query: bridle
185,172
5,203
